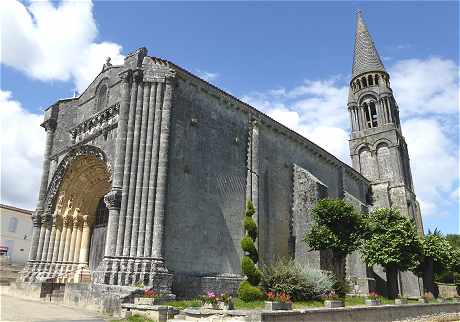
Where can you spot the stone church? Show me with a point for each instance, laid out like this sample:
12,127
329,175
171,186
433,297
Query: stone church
146,175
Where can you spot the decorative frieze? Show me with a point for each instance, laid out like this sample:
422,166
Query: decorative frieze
96,124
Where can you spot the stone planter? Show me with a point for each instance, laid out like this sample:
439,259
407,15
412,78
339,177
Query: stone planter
422,300
218,306
400,301
276,306
370,302
331,304
146,301
210,306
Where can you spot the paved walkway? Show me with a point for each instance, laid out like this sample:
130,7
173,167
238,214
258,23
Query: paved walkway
18,309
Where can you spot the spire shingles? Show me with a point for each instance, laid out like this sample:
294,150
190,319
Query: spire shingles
366,58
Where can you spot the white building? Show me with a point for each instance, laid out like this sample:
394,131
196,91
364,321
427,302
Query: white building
15,233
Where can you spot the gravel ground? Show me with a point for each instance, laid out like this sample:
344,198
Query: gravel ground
445,317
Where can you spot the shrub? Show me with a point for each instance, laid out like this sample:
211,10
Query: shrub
248,245
249,293
251,227
299,282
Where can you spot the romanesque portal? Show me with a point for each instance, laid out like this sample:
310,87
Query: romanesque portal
146,175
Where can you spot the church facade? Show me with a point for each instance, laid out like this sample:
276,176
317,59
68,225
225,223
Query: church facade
146,175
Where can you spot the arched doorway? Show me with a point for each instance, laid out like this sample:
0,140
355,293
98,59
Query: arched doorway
81,219
97,246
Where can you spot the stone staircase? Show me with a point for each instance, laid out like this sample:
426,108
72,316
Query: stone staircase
9,272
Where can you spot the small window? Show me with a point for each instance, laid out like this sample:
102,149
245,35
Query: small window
363,80
373,112
376,79
12,225
102,98
370,80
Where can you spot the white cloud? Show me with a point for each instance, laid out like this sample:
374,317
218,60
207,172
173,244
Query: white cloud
315,109
425,86
48,42
22,146
207,76
434,162
427,93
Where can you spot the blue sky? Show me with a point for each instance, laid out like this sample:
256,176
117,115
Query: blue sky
291,60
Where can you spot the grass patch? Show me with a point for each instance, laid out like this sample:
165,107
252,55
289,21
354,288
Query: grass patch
305,304
253,305
183,304
135,318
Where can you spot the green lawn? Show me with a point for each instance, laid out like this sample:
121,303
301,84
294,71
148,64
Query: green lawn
135,318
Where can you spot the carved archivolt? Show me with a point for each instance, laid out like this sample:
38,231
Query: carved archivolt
88,151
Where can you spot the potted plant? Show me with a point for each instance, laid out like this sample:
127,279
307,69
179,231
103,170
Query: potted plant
149,297
332,300
427,297
278,301
400,300
373,299
210,301
225,302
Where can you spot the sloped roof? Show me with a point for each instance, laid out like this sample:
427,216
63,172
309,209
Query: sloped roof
366,58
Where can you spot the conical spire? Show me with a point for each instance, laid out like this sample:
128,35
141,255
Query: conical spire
366,58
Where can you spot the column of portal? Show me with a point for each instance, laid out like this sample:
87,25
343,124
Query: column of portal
138,220
37,236
46,240
127,251
153,170
38,255
113,198
161,186
127,168
73,239
68,238
147,186
76,255
85,239
49,257
57,242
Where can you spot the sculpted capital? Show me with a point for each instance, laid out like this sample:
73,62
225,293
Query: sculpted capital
113,199
49,125
137,75
126,76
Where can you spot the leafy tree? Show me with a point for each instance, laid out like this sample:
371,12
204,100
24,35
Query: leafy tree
436,258
249,288
392,241
450,274
336,227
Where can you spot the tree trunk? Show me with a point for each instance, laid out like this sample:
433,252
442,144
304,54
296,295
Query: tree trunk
392,281
428,275
339,267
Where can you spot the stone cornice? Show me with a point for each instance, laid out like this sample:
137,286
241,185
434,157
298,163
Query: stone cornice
263,119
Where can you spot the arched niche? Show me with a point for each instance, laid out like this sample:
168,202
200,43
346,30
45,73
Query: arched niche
102,95
384,161
366,162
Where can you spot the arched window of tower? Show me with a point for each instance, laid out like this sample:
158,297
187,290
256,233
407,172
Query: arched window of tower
363,80
376,79
370,80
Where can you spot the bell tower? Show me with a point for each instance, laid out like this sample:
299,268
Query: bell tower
377,146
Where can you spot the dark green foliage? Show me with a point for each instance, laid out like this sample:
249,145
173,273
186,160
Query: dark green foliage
299,282
251,227
249,293
342,288
392,240
248,289
251,271
336,226
436,247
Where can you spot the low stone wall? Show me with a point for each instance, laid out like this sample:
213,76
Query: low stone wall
95,297
187,286
352,314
